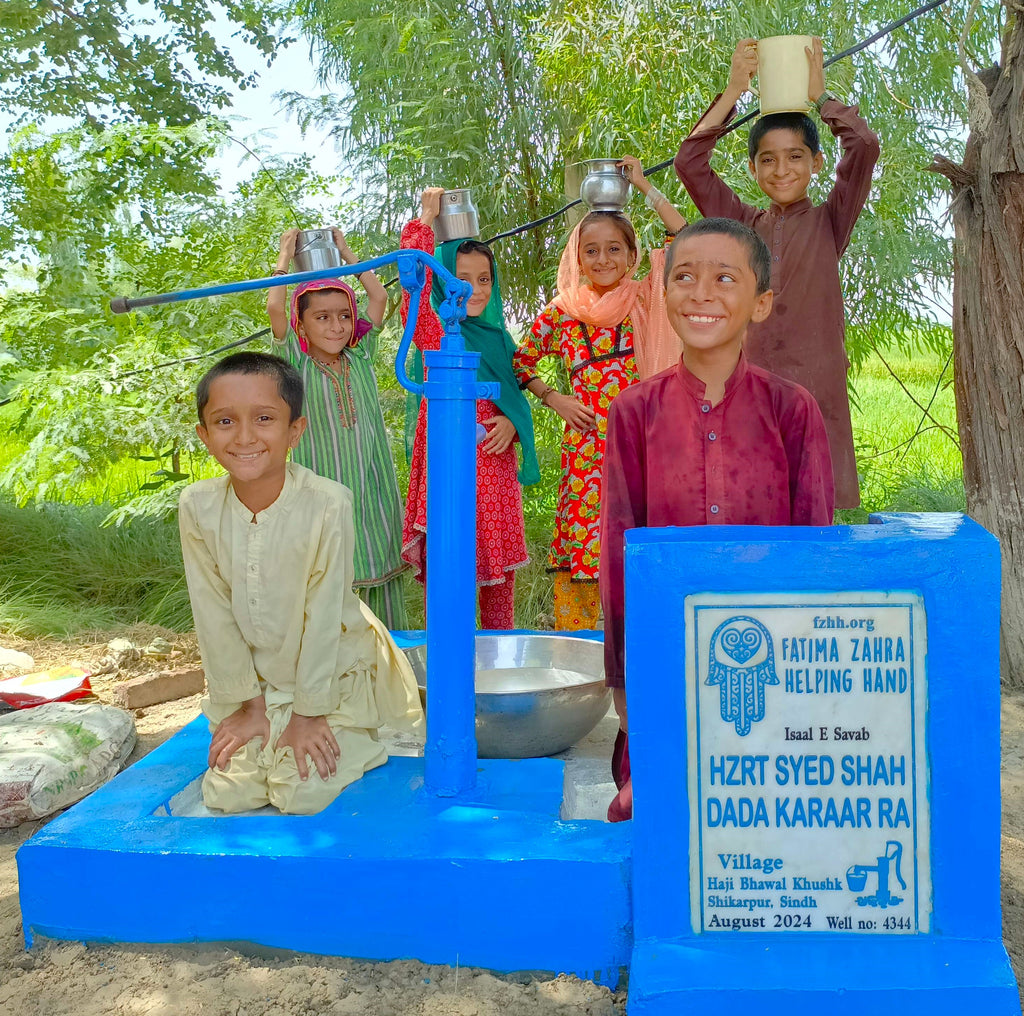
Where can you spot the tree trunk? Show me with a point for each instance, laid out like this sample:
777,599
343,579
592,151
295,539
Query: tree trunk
988,319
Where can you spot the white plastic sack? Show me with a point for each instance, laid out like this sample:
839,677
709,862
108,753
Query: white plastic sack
55,754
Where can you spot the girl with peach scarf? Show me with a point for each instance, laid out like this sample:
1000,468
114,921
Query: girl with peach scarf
610,331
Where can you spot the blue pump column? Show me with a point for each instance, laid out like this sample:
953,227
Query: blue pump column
451,393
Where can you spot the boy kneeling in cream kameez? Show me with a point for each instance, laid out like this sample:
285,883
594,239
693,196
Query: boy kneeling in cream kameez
300,674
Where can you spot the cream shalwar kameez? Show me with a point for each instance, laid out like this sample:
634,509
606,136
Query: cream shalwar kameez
275,615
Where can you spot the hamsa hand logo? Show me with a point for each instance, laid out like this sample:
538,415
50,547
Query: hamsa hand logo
741,661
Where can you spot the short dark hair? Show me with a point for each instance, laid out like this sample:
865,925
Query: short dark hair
476,247
799,122
289,380
757,252
617,219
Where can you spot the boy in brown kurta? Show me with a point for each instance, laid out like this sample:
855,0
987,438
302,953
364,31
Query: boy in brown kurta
804,338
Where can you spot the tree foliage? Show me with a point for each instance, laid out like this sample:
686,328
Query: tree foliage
90,389
502,95
447,95
100,61
67,196
498,95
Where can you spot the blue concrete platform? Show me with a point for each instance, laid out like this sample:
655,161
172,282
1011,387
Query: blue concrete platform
766,974
492,878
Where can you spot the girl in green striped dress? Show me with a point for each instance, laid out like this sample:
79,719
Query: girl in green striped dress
345,439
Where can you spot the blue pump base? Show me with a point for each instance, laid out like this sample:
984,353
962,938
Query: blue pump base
491,878
908,975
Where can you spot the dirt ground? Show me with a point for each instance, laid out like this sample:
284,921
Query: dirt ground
57,979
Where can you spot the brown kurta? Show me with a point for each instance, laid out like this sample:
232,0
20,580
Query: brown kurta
804,337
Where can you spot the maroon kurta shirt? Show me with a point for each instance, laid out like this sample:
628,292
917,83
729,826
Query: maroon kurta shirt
804,337
759,458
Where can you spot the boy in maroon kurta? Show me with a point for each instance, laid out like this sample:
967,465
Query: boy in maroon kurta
804,339
712,441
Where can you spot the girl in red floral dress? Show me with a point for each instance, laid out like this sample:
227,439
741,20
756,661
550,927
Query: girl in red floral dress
610,330
500,536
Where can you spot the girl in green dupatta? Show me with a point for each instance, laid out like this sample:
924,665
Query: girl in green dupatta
501,538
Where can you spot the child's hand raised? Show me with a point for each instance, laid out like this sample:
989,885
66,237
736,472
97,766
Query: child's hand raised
237,730
743,66
288,239
430,205
340,242
311,735
816,60
633,171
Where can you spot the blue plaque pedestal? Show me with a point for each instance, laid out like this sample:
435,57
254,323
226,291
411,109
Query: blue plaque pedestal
824,834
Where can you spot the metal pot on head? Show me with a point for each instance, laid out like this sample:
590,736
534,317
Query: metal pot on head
457,219
315,250
605,187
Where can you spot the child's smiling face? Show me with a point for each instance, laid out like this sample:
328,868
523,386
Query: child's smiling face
784,165
712,295
474,267
247,428
605,255
328,323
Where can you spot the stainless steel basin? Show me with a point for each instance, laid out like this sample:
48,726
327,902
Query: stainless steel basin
535,694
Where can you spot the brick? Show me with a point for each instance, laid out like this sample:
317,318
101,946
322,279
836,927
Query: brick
165,686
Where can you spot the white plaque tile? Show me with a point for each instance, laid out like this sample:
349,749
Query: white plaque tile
807,767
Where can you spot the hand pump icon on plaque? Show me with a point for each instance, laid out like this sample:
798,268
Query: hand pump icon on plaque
888,864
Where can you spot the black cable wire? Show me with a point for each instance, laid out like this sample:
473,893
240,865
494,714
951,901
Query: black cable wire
273,179
885,30
198,356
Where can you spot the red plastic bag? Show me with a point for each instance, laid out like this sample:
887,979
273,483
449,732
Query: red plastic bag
58,684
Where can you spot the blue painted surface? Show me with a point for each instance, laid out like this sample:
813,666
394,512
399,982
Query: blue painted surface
961,966
868,978
406,638
491,878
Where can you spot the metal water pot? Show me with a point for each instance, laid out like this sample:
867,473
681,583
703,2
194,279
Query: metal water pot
315,249
605,187
457,219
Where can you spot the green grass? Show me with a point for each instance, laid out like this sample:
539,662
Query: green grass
906,461
62,574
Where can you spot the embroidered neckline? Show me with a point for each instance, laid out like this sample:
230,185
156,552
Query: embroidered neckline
342,385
